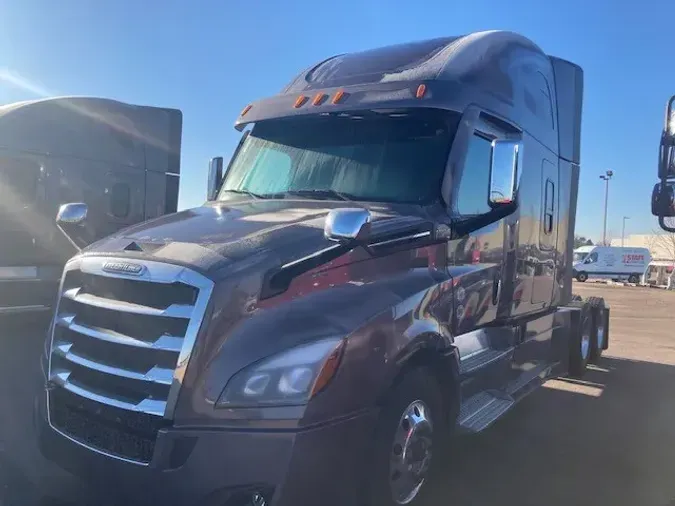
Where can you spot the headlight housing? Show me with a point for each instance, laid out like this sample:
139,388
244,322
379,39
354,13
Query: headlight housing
292,377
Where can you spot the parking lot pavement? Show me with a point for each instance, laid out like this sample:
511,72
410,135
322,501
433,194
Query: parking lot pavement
25,477
606,440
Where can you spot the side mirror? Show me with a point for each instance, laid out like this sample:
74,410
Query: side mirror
347,224
663,204
663,199
215,177
667,147
70,220
504,166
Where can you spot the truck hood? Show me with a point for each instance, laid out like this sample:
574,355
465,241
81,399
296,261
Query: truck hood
211,237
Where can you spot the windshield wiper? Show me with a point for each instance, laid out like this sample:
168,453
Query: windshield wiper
321,193
246,192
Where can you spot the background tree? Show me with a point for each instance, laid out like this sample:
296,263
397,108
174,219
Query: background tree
662,246
580,240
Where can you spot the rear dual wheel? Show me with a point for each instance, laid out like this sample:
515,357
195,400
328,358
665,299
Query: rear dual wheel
599,334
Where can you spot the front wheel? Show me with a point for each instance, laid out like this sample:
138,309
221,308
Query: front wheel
582,276
412,427
634,278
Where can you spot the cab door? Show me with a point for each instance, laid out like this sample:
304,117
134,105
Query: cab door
20,219
545,253
478,260
124,199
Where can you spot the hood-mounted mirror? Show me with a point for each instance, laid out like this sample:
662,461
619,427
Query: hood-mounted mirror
347,224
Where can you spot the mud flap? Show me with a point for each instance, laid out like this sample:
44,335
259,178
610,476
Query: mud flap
566,322
606,315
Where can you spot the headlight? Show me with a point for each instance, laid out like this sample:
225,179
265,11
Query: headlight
289,378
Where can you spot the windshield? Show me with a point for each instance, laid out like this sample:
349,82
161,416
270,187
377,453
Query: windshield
370,157
580,257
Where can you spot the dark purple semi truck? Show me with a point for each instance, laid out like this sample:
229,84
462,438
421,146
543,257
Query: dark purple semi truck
385,262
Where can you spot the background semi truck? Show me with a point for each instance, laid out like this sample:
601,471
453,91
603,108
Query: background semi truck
122,160
386,262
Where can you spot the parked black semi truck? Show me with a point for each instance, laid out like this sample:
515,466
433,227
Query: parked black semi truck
663,195
122,160
386,261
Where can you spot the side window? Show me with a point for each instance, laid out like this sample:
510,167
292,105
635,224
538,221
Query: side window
593,257
472,194
120,200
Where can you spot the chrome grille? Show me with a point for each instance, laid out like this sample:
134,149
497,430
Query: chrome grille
120,343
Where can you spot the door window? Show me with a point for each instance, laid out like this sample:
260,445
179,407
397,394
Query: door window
592,258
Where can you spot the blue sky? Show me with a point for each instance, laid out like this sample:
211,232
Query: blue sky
210,58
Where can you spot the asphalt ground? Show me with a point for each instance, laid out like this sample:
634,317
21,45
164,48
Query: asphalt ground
608,439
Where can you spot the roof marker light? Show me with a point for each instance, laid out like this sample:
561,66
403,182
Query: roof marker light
421,90
318,98
300,101
246,109
338,96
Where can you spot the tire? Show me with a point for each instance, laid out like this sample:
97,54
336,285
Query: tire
416,397
599,333
580,341
582,276
634,278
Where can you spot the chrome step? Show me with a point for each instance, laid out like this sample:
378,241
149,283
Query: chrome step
528,381
481,410
481,359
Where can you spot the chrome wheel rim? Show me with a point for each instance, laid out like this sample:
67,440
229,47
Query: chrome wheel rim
410,453
585,340
601,336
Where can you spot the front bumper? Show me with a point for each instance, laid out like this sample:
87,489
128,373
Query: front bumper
322,465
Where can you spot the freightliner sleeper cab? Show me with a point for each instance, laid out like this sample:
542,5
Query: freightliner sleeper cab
385,262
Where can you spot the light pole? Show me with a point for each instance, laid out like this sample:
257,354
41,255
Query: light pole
623,228
606,176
